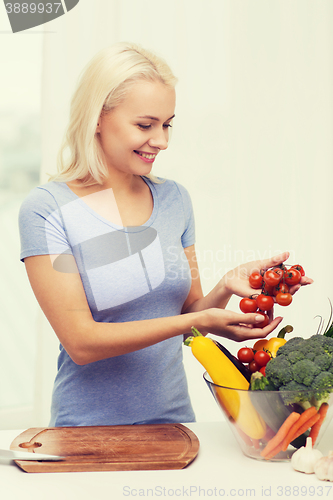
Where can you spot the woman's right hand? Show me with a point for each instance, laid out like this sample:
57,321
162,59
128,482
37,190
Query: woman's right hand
236,326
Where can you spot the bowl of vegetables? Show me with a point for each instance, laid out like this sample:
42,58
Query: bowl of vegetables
271,412
271,424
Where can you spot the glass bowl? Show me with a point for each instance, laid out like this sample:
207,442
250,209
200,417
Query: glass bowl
254,418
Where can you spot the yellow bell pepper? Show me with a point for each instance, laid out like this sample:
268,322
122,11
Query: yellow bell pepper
272,345
223,372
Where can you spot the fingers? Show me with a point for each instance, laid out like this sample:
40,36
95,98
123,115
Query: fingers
264,264
293,289
248,319
240,332
304,281
239,326
269,328
251,319
274,261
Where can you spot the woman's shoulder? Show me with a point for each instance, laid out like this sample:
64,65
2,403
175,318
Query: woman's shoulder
46,198
52,189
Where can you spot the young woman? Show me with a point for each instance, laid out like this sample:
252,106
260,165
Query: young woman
109,251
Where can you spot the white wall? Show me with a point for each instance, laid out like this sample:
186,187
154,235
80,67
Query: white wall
252,138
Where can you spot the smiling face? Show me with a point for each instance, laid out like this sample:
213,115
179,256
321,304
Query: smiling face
134,132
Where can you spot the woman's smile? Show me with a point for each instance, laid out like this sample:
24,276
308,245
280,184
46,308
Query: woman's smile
147,157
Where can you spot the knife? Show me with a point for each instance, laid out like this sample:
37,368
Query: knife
26,455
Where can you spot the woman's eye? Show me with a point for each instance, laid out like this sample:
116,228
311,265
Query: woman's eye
147,127
144,127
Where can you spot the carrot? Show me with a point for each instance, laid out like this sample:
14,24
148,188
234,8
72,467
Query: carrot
317,426
302,421
281,433
274,452
309,423
300,429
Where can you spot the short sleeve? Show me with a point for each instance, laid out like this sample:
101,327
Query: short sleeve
40,225
188,236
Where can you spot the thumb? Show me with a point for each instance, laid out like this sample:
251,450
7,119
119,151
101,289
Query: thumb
274,261
253,319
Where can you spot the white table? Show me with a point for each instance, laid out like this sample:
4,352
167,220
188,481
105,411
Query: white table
219,471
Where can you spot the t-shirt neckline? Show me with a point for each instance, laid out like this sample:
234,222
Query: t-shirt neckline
132,229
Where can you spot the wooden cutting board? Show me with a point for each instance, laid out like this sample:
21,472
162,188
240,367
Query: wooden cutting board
109,448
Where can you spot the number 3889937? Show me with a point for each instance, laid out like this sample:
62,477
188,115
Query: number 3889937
32,8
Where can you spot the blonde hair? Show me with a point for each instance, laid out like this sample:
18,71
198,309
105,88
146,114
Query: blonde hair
102,86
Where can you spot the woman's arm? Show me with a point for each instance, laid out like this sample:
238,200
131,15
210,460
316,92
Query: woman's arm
62,298
196,301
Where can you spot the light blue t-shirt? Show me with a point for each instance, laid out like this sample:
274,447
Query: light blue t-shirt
128,274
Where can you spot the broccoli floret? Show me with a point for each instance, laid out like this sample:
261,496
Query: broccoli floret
311,352
323,361
304,372
295,356
316,339
295,386
328,345
302,395
295,340
279,371
304,366
290,346
322,387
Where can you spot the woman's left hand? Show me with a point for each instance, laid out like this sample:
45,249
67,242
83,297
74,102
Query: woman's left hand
236,281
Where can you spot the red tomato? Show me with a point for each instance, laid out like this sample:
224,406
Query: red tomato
265,302
292,276
263,370
272,277
281,287
255,280
299,268
264,323
283,299
245,355
262,358
254,367
268,289
278,270
248,305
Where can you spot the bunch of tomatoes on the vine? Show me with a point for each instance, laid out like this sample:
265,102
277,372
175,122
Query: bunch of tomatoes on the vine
274,285
255,360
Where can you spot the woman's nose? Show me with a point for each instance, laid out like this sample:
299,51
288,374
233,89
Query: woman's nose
160,139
